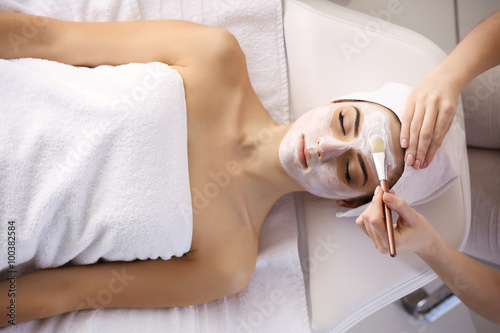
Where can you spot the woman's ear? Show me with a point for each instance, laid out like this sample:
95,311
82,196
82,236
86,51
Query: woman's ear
351,203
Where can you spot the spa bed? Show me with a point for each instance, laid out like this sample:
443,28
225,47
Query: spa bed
315,272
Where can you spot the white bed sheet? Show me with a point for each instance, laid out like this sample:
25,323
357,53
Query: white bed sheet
275,299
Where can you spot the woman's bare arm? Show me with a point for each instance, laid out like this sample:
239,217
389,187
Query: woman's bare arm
151,283
476,284
113,43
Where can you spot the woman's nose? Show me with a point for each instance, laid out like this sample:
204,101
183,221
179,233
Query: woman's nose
330,147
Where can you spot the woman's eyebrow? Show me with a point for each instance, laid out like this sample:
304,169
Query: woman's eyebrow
356,122
363,168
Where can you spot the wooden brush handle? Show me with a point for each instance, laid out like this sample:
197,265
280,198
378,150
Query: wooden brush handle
388,221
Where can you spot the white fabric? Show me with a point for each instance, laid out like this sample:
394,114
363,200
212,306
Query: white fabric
275,298
84,165
422,185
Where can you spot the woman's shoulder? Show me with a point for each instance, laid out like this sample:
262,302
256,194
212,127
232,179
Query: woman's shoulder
219,60
217,84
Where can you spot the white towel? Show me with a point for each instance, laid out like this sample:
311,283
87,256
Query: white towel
93,162
90,10
422,185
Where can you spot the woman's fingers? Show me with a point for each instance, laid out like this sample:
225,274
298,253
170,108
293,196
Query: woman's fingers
360,221
426,135
415,127
414,232
405,212
372,222
406,122
428,115
443,123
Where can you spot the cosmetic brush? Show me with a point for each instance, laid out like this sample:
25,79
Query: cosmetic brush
377,146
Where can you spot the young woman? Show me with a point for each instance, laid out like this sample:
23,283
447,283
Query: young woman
325,152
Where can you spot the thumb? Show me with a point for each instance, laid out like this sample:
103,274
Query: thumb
399,205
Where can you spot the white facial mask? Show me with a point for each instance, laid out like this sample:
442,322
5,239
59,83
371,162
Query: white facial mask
314,129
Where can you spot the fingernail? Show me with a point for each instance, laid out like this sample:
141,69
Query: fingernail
424,165
377,190
389,197
416,165
409,159
404,143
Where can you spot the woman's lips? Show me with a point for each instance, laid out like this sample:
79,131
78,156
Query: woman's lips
301,153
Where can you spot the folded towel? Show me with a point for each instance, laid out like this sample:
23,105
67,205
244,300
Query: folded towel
93,163
422,185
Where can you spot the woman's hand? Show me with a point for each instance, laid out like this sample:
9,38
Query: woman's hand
477,285
413,232
429,112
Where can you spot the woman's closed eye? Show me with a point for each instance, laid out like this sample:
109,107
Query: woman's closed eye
356,122
341,121
347,124
359,171
347,174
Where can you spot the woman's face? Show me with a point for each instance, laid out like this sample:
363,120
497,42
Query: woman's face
327,150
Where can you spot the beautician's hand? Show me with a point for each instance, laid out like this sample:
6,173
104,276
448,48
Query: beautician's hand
431,106
477,285
413,232
429,112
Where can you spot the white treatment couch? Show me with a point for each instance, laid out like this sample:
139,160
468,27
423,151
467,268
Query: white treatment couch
331,51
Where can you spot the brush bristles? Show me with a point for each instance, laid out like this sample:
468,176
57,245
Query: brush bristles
377,144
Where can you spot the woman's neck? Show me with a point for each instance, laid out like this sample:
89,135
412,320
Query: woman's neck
258,137
266,180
